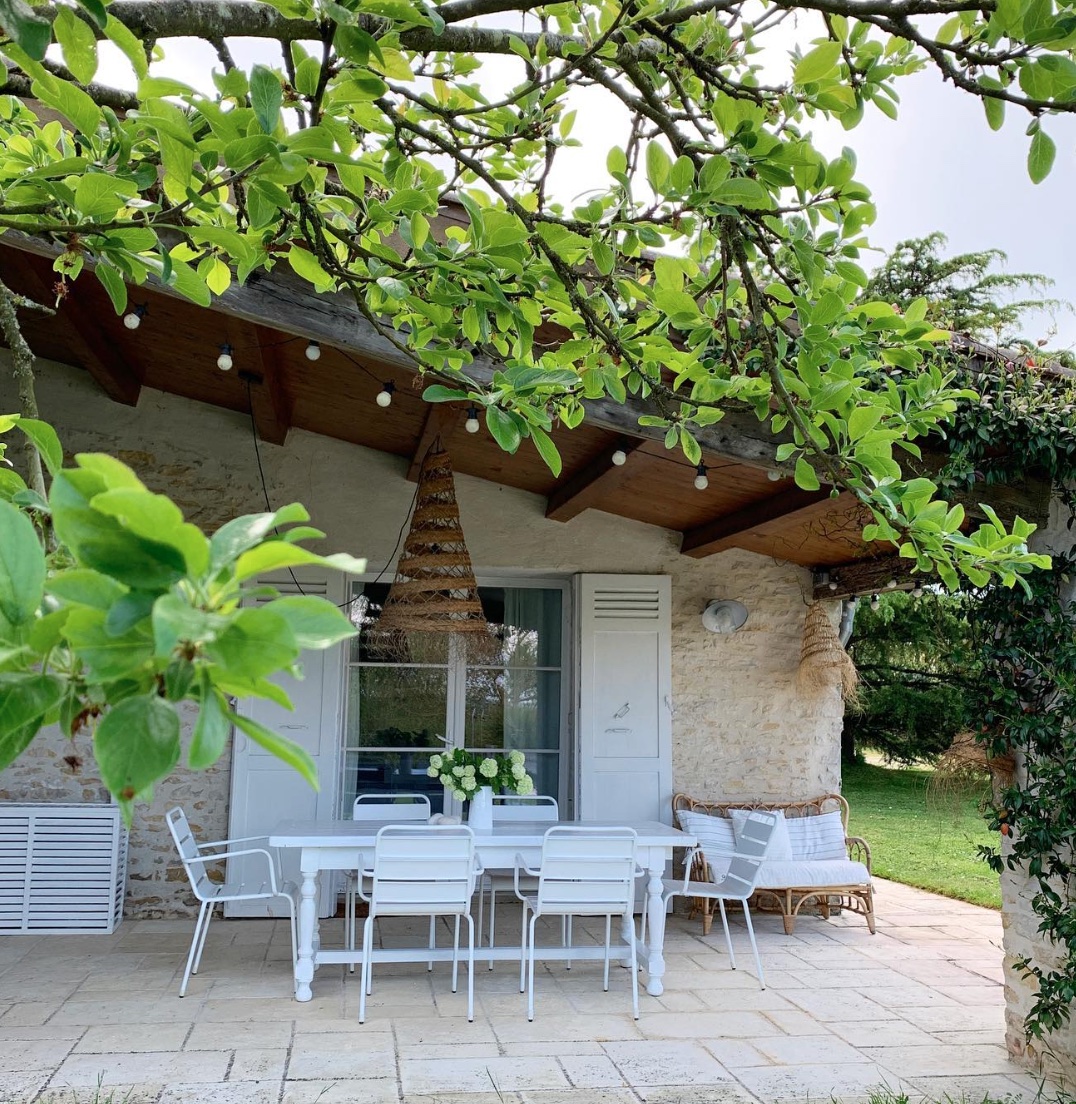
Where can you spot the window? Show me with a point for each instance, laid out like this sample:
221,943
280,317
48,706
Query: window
400,713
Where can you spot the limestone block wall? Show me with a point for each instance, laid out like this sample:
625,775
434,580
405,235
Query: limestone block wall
741,726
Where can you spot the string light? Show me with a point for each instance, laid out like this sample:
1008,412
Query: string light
472,424
891,585
917,591
773,475
133,318
384,396
701,482
619,458
313,351
224,361
875,603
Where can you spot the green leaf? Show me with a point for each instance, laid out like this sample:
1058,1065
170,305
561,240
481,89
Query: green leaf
817,63
275,555
30,31
175,620
22,566
78,44
111,280
211,730
266,96
287,750
45,441
234,537
806,478
82,587
119,35
136,745
128,611
155,517
547,450
70,101
438,393
742,191
107,657
658,166
315,622
25,699
257,643
862,420
1040,157
503,428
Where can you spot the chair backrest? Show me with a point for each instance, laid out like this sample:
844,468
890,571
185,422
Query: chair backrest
532,808
423,869
587,871
391,806
751,844
187,847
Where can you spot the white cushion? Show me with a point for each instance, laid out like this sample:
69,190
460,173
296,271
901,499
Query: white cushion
811,873
715,836
779,849
817,837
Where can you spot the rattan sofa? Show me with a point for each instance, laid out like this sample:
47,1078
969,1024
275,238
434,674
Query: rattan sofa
791,885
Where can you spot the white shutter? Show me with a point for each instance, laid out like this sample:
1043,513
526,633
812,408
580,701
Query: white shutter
63,868
264,789
624,721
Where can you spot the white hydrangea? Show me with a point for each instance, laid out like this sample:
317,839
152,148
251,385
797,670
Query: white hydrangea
488,768
459,772
469,769
431,772
525,787
519,771
459,795
469,783
515,757
436,762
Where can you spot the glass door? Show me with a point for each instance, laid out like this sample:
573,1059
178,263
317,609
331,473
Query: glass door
399,714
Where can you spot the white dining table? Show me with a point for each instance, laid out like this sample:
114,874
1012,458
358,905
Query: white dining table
347,845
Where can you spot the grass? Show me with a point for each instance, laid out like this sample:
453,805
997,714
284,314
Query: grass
920,839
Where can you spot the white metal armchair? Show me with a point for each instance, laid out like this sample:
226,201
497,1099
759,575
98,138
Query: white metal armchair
209,893
420,870
584,872
737,884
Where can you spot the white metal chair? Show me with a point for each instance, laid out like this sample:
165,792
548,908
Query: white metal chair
737,884
403,807
195,856
584,872
508,809
421,870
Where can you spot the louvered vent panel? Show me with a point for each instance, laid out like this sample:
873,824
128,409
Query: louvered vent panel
62,868
641,604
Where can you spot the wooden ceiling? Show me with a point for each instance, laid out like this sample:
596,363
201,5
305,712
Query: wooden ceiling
268,324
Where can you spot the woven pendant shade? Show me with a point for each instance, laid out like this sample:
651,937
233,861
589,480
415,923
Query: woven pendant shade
823,660
434,591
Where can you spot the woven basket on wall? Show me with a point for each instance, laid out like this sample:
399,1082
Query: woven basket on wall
823,660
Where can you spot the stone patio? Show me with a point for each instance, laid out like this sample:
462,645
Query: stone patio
918,1008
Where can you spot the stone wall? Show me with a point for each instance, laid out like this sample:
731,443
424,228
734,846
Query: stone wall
741,727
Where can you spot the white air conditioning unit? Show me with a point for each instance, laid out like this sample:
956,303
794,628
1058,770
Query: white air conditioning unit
63,868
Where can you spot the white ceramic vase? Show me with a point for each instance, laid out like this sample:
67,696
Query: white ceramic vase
480,812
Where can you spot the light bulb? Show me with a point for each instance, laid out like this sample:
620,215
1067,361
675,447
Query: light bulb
701,482
133,318
773,476
620,458
833,584
472,425
891,585
224,361
313,351
875,603
384,396
917,591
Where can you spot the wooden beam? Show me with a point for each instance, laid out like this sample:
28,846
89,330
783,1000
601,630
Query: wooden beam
727,531
270,404
101,358
586,487
869,577
441,421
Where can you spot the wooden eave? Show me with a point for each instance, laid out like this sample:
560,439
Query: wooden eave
750,502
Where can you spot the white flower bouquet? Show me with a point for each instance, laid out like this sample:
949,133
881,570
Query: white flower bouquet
465,772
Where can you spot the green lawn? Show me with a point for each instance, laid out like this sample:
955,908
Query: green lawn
920,839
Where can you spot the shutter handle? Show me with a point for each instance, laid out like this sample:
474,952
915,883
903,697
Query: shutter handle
623,711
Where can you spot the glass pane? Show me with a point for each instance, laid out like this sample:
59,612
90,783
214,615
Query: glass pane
390,772
397,707
528,620
367,600
512,709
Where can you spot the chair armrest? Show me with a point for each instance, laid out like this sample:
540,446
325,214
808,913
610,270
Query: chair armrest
859,850
236,854
521,866
229,842
360,875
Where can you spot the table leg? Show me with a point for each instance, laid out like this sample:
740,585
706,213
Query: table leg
308,922
655,922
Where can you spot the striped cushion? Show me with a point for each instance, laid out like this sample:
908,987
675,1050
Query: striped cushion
714,834
817,837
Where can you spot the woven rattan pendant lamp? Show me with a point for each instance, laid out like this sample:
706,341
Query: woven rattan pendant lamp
434,591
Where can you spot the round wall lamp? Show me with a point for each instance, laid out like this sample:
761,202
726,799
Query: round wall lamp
723,615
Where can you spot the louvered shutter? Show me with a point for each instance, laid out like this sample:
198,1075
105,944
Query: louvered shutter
624,720
63,868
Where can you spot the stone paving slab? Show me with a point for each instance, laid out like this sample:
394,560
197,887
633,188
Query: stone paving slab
917,1008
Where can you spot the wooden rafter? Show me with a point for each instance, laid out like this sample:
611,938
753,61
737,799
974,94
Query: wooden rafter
442,419
586,487
270,405
867,577
792,505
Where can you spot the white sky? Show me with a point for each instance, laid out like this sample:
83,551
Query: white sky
937,167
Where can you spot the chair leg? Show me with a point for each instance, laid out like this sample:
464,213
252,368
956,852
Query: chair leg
470,968
569,966
754,945
365,980
455,952
433,941
195,941
481,907
634,972
349,921
523,953
608,940
492,919
205,932
728,937
530,971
